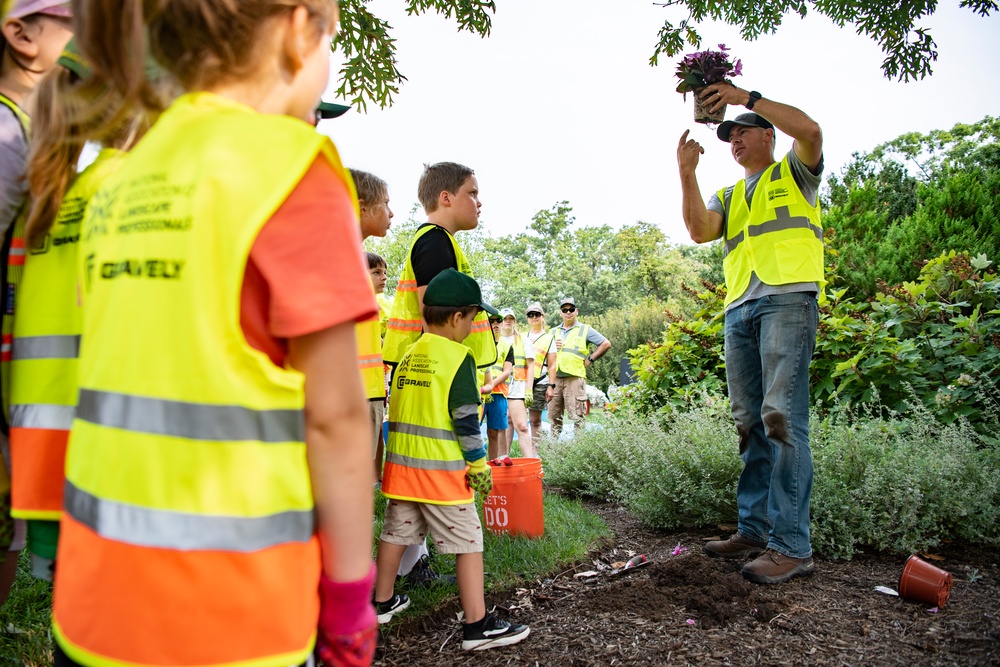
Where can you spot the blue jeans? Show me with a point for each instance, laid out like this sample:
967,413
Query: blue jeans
769,343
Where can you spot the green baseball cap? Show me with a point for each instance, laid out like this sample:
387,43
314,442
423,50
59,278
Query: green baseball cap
456,289
330,110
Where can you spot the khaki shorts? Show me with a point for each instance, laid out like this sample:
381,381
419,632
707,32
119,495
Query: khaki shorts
456,528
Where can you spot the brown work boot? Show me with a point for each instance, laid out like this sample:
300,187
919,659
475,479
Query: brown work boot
736,547
774,568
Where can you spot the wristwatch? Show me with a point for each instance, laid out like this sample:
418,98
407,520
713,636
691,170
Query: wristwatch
754,96
552,385
590,358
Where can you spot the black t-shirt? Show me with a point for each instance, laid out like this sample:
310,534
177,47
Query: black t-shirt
432,254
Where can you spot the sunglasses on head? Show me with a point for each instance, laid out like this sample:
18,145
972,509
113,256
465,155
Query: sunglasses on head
568,309
534,314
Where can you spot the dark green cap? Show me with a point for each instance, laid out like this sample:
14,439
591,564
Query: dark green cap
73,60
456,289
331,110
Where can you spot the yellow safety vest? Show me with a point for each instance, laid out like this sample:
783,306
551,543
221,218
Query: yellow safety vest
570,357
779,236
46,342
497,368
13,243
406,321
424,461
541,346
384,306
520,372
370,357
188,504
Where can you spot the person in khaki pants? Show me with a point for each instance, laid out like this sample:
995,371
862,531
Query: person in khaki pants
568,361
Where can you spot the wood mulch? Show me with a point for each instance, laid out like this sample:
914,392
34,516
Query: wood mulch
687,609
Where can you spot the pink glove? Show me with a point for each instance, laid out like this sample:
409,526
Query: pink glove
348,629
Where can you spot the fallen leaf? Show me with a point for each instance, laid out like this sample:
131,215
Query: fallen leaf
726,528
710,539
931,556
886,590
617,565
584,575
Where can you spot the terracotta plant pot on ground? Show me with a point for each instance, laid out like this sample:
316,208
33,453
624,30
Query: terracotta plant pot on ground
702,113
923,582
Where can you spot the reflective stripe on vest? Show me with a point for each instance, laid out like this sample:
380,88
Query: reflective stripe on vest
187,475
177,530
44,352
520,372
406,322
424,461
570,357
370,357
779,237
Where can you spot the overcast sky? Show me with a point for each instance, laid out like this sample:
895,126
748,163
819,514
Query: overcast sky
559,103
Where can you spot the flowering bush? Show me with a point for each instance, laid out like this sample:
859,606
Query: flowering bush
697,70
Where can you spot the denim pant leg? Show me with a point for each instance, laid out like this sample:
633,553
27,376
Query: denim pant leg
787,325
745,382
769,344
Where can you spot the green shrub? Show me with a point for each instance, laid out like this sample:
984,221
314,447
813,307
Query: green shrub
937,339
626,328
889,482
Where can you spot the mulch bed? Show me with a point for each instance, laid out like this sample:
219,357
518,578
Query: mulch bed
687,609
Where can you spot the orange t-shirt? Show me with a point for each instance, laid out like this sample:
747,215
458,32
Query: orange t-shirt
306,271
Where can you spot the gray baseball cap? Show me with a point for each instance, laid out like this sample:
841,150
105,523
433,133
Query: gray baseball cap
748,119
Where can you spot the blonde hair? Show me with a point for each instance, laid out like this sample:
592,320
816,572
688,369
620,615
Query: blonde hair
200,42
57,139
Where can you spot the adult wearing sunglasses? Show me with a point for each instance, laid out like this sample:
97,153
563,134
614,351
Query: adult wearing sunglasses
568,361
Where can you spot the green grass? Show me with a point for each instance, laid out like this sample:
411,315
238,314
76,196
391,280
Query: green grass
24,620
570,532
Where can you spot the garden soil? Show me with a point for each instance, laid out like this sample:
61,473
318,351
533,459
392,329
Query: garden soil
682,608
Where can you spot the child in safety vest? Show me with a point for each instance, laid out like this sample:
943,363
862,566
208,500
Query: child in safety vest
377,273
519,385
47,328
436,460
218,479
32,35
497,387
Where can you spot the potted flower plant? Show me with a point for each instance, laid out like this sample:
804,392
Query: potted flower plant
697,70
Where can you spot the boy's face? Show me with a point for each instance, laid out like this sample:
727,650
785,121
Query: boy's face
465,205
379,278
376,219
495,325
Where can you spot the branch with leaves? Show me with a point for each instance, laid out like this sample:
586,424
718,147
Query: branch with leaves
370,73
909,49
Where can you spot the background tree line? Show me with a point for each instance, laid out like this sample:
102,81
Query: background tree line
886,214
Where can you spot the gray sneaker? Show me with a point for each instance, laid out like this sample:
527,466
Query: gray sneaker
736,547
774,568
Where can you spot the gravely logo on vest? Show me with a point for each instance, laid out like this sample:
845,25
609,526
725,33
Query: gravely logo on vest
776,193
168,269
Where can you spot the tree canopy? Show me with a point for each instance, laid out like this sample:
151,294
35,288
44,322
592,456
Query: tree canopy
909,49
370,73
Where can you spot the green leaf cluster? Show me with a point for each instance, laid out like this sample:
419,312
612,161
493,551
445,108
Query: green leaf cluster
909,48
911,199
369,73
932,344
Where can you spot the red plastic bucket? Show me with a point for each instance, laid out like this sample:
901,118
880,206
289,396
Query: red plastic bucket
923,582
514,505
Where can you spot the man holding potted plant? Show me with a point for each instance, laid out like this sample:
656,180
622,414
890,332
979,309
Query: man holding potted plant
773,264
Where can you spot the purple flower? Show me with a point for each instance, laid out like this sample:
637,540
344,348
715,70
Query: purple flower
738,68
